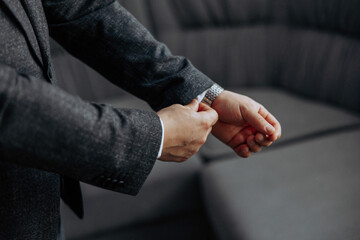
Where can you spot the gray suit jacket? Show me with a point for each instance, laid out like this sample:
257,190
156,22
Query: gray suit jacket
45,132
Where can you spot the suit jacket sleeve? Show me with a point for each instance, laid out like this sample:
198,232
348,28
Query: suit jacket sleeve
108,38
43,127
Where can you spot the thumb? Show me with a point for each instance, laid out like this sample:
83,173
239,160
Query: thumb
210,116
203,107
259,123
193,105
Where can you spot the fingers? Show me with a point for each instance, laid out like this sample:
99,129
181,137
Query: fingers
262,140
185,130
253,145
258,121
203,107
224,132
209,116
243,150
273,121
240,137
193,105
266,121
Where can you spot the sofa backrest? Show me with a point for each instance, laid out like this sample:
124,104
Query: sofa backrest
311,47
331,15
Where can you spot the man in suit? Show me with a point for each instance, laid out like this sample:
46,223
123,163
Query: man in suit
48,138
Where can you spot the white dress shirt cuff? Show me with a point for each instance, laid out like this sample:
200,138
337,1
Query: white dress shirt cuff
162,139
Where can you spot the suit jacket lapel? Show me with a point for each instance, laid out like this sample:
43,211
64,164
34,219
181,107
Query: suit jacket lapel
20,15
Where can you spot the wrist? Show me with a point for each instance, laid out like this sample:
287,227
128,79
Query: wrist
219,99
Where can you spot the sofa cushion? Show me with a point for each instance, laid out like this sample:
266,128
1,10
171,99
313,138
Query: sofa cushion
306,191
299,117
318,64
170,189
328,15
321,65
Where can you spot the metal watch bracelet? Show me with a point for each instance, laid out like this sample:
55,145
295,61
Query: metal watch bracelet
212,93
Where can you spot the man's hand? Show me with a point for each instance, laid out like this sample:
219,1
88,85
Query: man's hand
185,130
244,125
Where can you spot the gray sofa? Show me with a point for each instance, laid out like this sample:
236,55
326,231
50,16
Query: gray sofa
299,58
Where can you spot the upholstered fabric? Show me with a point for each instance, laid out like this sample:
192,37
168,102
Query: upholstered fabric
308,191
316,64
301,119
333,15
310,47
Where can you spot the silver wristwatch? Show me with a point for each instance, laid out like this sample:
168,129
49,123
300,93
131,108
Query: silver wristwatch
212,93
